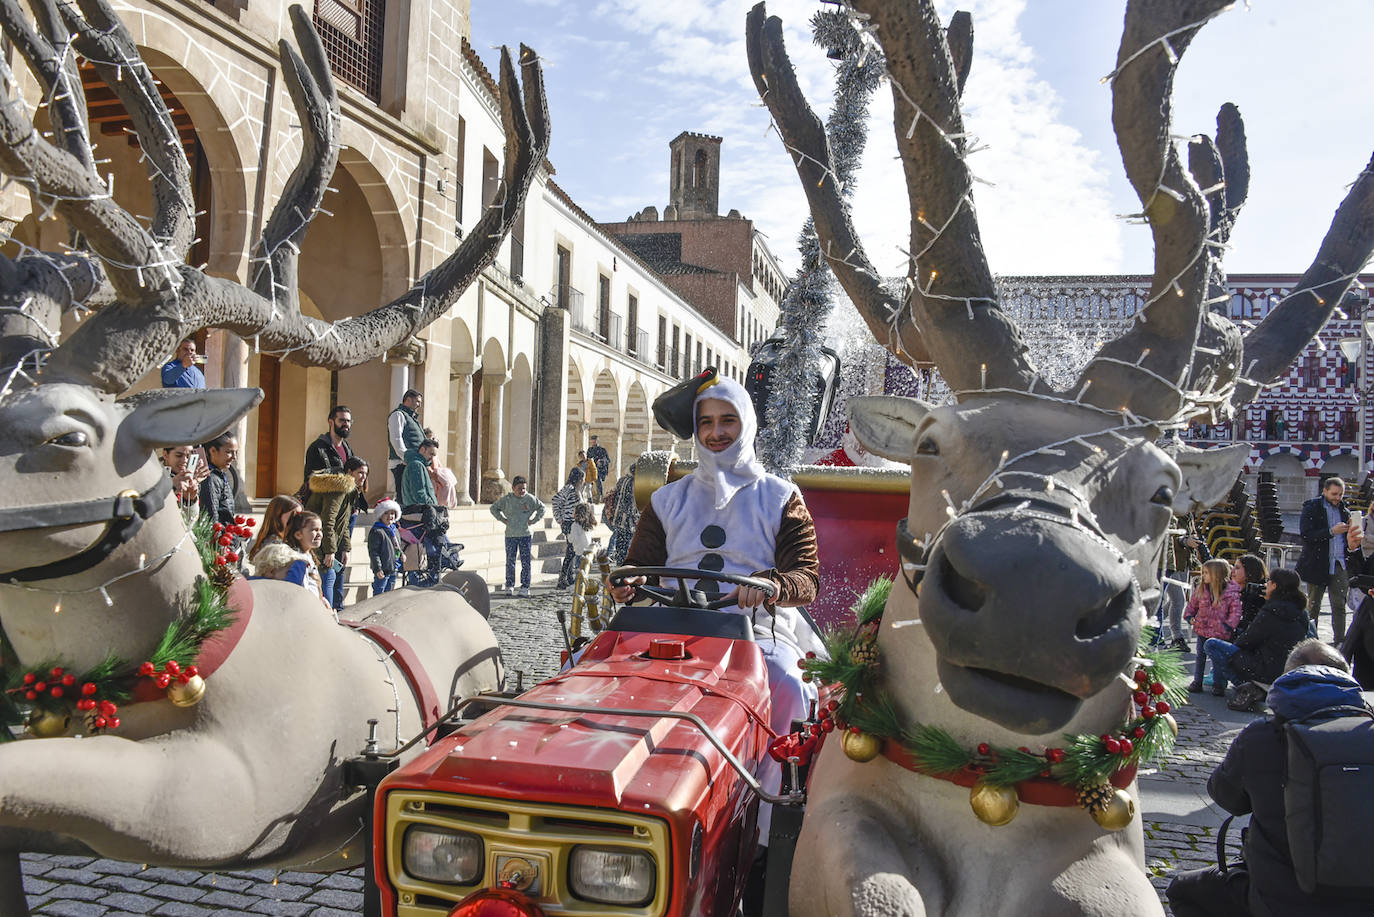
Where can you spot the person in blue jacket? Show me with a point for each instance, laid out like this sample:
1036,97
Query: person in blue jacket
1250,781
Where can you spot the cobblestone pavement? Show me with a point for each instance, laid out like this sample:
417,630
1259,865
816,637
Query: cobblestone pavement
1180,822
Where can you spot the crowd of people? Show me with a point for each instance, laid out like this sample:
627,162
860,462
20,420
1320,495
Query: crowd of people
412,523
1256,630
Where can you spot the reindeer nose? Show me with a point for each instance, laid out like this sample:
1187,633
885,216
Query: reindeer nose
1025,591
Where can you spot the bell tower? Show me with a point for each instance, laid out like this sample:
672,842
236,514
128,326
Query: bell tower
694,184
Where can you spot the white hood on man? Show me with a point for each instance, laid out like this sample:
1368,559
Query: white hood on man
727,472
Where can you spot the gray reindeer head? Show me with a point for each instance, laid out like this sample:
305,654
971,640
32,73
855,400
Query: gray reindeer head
1037,516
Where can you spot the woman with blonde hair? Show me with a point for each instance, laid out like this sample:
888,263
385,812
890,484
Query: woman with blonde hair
1214,610
274,523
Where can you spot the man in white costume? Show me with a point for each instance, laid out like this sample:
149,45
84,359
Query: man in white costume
730,515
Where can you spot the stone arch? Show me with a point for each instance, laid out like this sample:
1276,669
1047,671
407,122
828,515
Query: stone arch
638,424
576,416
519,408
377,170
1342,462
226,225
347,269
605,417
461,435
218,171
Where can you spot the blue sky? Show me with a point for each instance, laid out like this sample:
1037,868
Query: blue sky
626,76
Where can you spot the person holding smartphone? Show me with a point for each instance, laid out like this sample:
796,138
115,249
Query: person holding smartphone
187,466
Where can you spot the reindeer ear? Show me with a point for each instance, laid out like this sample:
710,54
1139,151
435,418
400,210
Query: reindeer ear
885,424
176,417
1208,474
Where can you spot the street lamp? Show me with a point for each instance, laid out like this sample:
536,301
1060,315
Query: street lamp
1354,350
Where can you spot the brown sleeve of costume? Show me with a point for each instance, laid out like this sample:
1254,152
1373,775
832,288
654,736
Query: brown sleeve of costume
796,570
796,556
649,547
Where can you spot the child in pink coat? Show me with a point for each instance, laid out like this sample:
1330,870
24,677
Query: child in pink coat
1214,610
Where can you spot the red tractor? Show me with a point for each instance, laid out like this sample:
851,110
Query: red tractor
625,784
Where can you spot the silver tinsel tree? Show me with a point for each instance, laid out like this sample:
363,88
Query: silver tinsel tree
808,300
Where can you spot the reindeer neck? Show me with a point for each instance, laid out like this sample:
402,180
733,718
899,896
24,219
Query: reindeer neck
60,620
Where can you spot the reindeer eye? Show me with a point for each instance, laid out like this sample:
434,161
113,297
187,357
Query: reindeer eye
74,438
927,446
1164,496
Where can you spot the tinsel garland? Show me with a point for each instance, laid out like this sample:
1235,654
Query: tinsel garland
862,704
807,302
55,688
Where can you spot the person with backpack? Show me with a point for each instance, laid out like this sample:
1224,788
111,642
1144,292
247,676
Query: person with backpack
1279,771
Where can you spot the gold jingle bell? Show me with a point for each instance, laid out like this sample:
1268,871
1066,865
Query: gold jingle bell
188,694
994,805
45,724
1117,813
1171,723
861,746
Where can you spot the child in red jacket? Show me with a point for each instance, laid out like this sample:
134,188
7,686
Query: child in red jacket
1214,610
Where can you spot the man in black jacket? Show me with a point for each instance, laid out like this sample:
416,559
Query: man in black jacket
1251,780
219,488
330,451
1325,520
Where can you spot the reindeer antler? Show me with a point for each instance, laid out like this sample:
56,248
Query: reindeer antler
1221,168
1146,369
123,340
804,136
951,315
1271,347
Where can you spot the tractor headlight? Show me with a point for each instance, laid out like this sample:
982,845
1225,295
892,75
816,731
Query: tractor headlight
442,855
612,875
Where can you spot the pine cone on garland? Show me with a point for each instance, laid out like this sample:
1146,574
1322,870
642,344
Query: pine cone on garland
222,576
1095,796
864,653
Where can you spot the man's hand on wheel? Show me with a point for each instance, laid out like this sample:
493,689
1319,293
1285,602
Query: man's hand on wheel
626,592
748,596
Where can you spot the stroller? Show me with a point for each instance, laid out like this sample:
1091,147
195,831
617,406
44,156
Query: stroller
426,551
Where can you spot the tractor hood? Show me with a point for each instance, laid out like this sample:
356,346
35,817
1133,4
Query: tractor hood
643,764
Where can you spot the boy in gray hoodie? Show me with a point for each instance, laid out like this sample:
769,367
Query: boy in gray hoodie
518,510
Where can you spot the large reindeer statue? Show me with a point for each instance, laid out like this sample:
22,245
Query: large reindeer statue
95,562
1037,517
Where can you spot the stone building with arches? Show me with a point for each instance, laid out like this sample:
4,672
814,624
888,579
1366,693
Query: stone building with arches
568,334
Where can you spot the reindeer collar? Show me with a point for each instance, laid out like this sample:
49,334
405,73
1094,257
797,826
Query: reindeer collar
1035,791
1089,770
123,516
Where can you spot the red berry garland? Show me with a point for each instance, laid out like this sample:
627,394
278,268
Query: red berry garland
53,690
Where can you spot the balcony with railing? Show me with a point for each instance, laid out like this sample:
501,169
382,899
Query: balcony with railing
351,32
566,296
639,344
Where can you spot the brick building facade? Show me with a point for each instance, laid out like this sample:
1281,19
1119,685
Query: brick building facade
1302,428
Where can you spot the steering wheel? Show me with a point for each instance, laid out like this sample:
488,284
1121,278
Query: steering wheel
682,597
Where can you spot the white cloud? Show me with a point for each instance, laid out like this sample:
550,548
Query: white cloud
683,66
